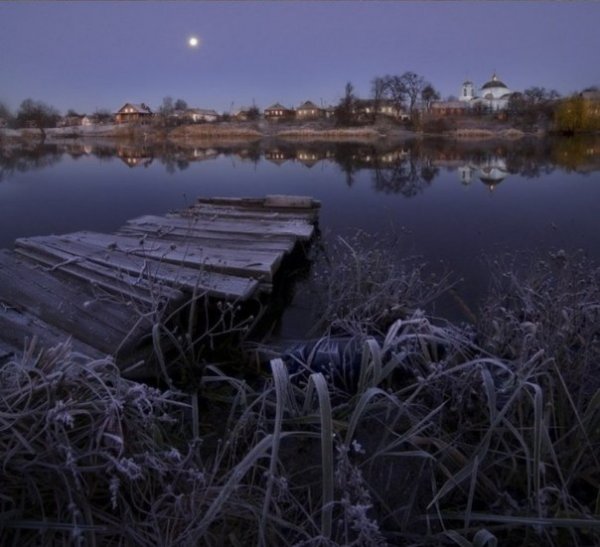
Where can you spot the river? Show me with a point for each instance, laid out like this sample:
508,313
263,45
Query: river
456,205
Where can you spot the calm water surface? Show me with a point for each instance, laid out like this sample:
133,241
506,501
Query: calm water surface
450,203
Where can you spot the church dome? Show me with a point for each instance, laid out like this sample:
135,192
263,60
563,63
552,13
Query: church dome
492,177
494,83
492,174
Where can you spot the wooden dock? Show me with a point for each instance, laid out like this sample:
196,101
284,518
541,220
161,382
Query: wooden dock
105,290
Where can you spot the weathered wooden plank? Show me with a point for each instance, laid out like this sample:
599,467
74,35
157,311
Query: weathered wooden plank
289,202
186,279
73,308
179,225
17,325
181,235
272,200
230,212
112,280
257,264
272,205
297,228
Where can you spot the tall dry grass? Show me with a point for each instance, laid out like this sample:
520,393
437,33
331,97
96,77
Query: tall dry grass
362,286
450,436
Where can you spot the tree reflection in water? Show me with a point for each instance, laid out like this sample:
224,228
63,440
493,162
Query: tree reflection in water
27,158
406,177
406,168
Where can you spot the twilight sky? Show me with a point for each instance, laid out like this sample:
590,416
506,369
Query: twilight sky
88,55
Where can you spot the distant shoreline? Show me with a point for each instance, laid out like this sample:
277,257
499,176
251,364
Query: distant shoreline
249,132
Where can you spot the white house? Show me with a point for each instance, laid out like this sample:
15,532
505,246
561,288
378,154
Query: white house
72,121
201,115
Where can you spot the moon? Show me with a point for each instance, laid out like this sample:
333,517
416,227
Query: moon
193,41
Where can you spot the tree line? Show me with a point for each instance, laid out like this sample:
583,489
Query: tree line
408,93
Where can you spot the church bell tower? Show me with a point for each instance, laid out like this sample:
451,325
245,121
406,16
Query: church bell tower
467,91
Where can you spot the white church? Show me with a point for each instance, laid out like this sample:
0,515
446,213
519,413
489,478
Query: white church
493,95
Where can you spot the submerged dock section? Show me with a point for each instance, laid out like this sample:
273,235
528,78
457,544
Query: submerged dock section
105,290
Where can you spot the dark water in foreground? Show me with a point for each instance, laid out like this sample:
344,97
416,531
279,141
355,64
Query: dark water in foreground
450,203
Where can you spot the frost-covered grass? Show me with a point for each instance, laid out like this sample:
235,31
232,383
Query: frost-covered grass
450,435
362,286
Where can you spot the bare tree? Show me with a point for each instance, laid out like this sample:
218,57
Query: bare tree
5,114
413,85
344,111
395,91
180,104
378,90
167,107
536,105
103,115
428,95
37,114
253,113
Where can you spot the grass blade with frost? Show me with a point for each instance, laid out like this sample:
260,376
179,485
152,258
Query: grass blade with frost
320,384
281,379
260,450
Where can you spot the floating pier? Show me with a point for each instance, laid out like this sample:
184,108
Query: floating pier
104,290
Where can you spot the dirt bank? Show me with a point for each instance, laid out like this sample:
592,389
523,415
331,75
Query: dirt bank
240,132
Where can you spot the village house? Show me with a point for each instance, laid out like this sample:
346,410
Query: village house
329,112
189,115
241,115
278,112
177,115
387,108
309,111
196,115
448,108
74,121
130,112
368,108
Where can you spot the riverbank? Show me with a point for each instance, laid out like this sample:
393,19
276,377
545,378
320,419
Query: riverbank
260,130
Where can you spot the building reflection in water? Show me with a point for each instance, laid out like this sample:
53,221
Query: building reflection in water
466,173
492,172
277,156
134,157
201,154
308,157
407,168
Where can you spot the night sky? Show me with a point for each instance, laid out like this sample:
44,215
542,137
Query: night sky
87,55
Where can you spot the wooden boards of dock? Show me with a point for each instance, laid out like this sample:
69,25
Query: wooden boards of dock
105,290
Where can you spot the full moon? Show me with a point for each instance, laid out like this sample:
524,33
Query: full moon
193,41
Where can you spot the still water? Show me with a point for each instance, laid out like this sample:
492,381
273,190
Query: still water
453,204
